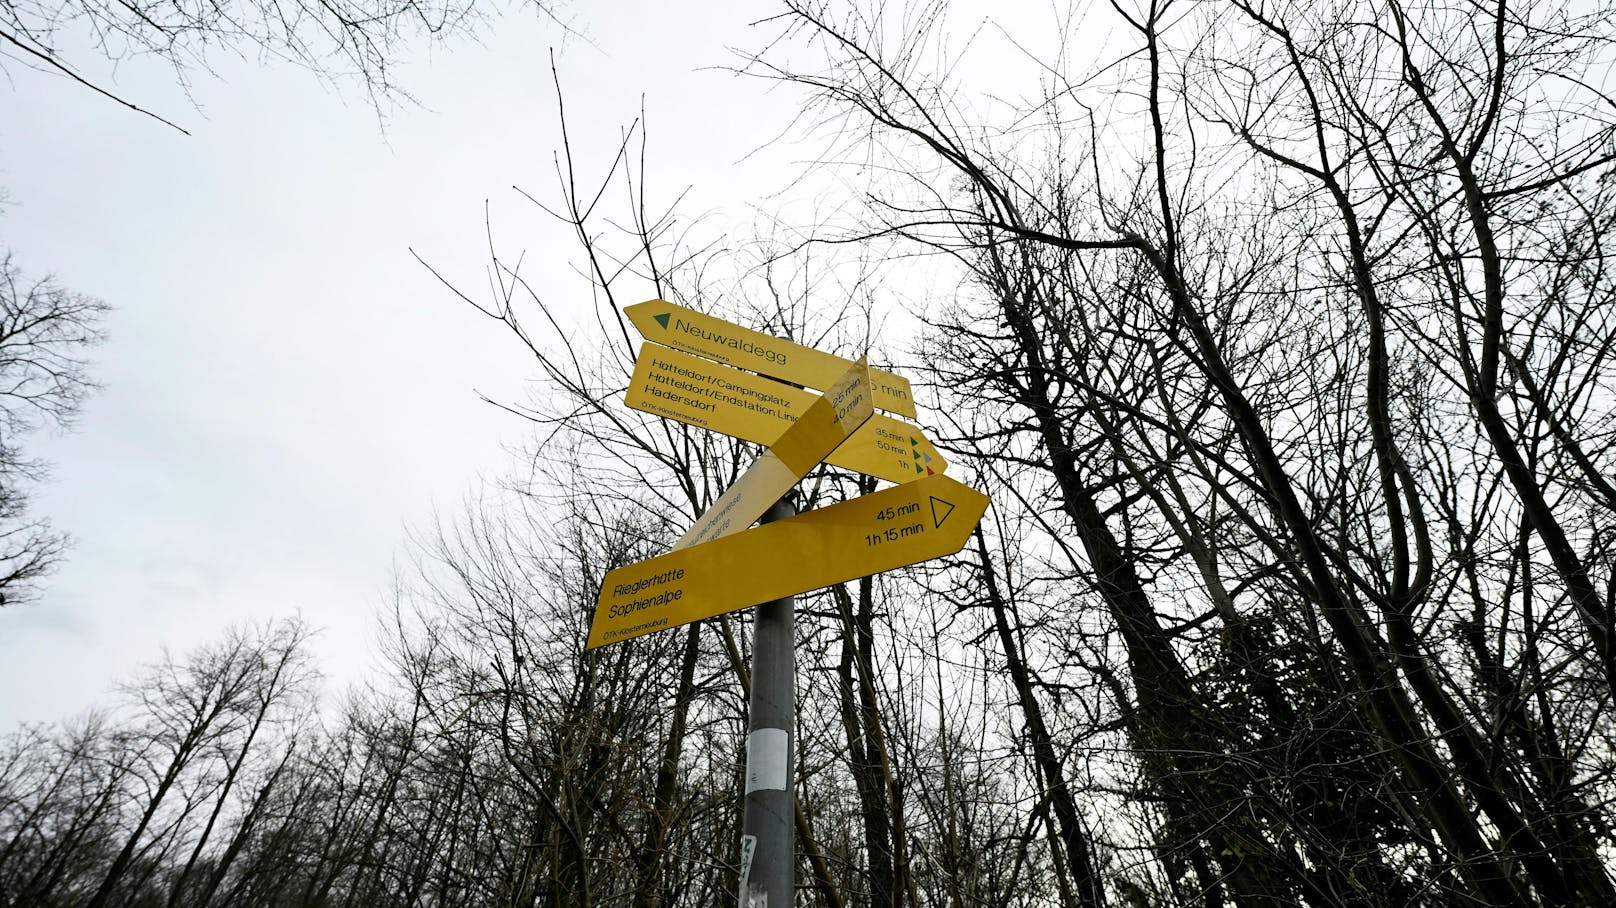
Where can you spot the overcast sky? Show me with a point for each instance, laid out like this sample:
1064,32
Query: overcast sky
286,392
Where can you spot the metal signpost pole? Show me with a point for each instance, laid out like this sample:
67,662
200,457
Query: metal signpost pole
768,830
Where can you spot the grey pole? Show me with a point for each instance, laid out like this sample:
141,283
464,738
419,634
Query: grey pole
768,829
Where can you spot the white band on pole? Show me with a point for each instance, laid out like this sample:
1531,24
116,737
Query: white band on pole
766,756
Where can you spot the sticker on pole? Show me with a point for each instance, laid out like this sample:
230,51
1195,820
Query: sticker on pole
768,759
748,850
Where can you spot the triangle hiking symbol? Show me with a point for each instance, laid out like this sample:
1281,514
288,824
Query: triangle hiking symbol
940,510
662,319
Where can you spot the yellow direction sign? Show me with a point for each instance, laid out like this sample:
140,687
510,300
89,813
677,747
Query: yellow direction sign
905,524
726,342
750,407
826,423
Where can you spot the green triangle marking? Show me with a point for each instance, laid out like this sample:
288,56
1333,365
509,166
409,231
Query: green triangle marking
913,442
662,319
917,455
919,468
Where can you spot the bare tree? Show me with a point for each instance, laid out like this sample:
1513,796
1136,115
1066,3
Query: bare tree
45,332
1171,327
351,40
186,710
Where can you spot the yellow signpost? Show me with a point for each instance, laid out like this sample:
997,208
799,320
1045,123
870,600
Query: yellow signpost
753,408
827,423
905,524
685,329
720,566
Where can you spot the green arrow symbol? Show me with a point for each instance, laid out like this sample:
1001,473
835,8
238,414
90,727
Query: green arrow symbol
662,319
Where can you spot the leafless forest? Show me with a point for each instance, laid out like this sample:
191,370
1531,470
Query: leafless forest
1281,334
